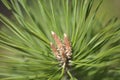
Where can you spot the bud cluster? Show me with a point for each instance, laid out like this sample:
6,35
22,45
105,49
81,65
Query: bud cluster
63,50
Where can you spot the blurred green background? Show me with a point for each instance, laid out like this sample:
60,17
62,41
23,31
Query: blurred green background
112,7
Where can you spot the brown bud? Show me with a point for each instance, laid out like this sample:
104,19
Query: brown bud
57,40
54,49
67,43
63,50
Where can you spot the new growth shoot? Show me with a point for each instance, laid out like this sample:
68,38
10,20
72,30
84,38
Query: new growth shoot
63,50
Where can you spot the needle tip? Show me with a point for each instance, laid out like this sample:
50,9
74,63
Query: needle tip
52,33
65,35
51,43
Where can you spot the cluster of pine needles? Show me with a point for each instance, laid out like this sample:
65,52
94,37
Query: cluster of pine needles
26,52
